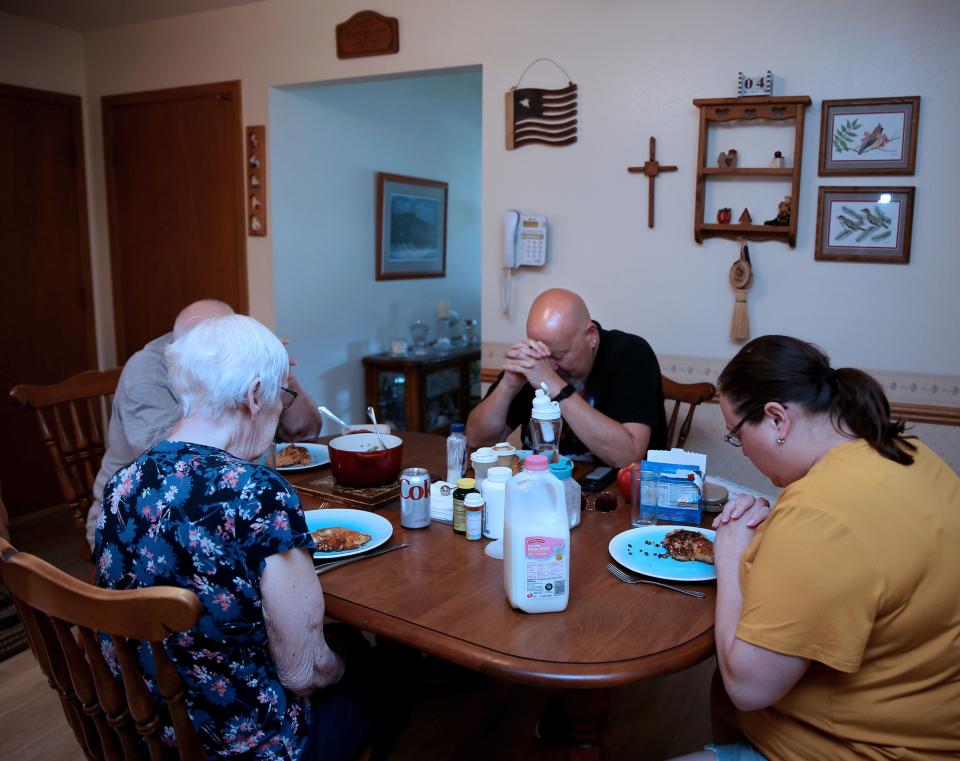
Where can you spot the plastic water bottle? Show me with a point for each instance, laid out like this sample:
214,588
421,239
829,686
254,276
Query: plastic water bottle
456,453
563,470
536,540
545,424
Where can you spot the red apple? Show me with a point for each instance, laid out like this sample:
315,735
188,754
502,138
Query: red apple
623,480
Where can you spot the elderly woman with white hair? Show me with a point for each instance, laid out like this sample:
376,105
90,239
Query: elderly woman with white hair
194,512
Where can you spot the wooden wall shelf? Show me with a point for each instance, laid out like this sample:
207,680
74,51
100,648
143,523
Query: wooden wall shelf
745,171
759,110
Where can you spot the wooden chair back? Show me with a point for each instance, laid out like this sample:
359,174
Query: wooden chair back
690,394
73,416
111,718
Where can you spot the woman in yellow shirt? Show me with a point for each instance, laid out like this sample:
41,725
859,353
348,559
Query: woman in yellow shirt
838,616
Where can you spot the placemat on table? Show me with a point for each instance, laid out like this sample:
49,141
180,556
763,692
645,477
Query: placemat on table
364,498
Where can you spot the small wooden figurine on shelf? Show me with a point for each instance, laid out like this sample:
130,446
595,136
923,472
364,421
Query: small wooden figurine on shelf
724,216
783,214
745,218
727,159
778,162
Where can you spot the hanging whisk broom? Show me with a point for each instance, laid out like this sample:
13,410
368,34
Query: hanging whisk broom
740,275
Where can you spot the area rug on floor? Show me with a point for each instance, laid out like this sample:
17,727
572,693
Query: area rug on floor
12,637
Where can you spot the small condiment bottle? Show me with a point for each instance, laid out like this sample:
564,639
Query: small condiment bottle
473,507
465,486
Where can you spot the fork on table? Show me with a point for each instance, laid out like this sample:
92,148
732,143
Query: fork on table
629,578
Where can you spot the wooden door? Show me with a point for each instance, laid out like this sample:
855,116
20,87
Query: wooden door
46,307
174,167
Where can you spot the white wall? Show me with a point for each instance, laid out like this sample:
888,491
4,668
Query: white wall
327,143
639,64
41,56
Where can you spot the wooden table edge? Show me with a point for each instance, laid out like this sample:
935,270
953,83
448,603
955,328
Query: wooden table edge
522,670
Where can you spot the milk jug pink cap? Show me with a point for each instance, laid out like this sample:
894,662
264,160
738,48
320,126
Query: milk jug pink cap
535,462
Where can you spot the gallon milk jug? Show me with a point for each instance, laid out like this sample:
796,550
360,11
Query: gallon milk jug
536,540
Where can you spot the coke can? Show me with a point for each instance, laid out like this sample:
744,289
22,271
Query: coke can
415,498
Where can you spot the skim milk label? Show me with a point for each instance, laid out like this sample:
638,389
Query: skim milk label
544,558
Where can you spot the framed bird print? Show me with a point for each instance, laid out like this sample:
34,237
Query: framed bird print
856,224
869,136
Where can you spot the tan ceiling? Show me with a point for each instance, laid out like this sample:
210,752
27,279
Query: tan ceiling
87,15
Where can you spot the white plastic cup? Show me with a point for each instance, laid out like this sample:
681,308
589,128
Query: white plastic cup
482,460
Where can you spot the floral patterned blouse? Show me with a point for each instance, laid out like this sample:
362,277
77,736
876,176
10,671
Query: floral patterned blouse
197,517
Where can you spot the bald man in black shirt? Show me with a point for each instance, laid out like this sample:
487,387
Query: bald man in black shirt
606,381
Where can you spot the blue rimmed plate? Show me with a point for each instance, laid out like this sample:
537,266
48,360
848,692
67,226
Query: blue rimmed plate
376,525
628,550
319,455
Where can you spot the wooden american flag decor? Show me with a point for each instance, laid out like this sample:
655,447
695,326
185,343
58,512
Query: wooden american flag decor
540,116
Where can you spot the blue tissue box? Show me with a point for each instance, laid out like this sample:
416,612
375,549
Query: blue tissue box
679,491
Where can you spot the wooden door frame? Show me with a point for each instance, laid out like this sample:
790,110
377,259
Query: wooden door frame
75,104
231,91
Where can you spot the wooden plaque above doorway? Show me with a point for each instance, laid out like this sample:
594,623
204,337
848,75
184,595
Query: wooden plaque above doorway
367,33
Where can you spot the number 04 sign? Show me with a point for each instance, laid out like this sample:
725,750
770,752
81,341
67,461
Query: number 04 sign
755,85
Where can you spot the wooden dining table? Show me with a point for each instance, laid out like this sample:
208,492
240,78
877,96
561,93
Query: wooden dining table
442,595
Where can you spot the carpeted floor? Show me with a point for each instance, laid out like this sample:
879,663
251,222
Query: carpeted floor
12,637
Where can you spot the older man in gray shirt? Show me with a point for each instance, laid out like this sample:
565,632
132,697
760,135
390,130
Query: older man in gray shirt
145,408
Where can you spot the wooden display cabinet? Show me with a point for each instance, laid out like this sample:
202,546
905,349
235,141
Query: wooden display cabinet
760,109
423,394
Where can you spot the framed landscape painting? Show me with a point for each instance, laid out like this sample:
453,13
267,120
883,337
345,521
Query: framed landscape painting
864,224
869,136
411,227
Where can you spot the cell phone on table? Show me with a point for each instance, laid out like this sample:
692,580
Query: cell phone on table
597,479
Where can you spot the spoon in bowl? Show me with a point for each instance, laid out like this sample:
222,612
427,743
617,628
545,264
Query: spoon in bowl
373,419
324,411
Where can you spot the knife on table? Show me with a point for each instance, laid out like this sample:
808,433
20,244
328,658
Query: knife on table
337,563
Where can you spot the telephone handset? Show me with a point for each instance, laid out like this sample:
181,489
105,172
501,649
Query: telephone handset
524,240
524,245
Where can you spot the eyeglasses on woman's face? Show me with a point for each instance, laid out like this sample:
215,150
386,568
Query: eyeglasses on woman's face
287,397
732,437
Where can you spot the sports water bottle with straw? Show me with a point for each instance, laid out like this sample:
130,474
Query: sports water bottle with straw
545,424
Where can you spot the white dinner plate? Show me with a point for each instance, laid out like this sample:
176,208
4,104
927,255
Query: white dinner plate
628,549
319,455
377,526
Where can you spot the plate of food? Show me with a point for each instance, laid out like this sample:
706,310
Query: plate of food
299,456
676,553
340,531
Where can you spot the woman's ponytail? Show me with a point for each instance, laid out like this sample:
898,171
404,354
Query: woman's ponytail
861,406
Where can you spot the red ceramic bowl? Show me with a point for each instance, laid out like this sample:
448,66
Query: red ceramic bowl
356,459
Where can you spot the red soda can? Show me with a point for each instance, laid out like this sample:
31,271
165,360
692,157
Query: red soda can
415,498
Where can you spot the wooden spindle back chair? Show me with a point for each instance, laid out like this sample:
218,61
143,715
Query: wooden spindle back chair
111,718
73,416
690,394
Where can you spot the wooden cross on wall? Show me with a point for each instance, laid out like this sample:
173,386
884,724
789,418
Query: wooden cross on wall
651,168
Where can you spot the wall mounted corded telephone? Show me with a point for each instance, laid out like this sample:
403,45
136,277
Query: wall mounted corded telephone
524,245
